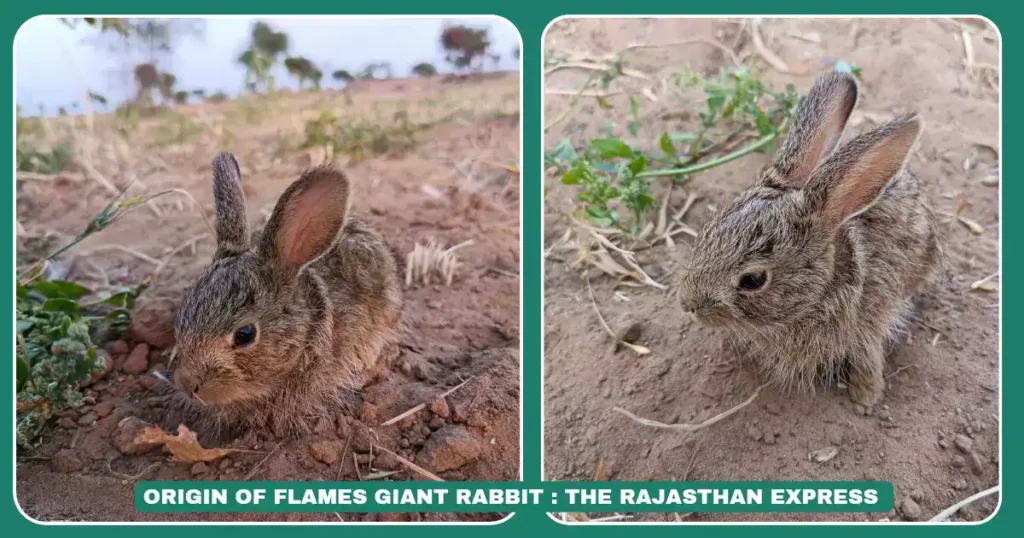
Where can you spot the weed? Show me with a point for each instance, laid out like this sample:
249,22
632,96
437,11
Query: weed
741,115
55,352
52,161
178,129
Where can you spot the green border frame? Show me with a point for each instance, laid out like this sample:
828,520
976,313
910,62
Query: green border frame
531,20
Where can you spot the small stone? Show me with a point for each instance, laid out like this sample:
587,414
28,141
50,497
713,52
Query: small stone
153,325
959,484
943,444
977,467
910,509
224,464
403,442
917,494
386,462
859,410
364,459
324,452
88,418
440,408
118,348
964,443
449,448
127,431
362,439
958,462
773,408
436,423
754,433
65,461
198,469
67,422
368,413
769,439
103,409
138,362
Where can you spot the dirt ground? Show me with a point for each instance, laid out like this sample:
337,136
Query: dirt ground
459,183
935,435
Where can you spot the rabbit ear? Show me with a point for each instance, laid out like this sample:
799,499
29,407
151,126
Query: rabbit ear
816,130
306,220
850,179
232,224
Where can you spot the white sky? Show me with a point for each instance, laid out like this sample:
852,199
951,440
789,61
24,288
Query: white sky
50,56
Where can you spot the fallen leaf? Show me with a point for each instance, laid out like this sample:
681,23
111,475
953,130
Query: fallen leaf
184,447
974,227
823,454
599,474
986,284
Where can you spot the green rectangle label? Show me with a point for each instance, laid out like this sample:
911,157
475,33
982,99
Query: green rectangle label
483,497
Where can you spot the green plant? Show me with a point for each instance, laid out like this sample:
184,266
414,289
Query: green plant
741,115
342,75
178,129
55,352
218,97
52,161
126,116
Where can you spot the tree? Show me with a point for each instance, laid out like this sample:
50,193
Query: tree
181,97
462,44
515,53
303,69
265,47
424,70
201,94
342,75
166,84
146,78
371,70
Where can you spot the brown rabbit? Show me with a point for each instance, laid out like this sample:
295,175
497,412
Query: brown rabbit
272,332
812,268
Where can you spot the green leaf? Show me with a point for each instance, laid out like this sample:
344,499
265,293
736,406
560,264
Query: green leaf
54,289
23,325
67,306
574,175
715,100
666,144
638,165
764,124
122,299
634,110
565,152
22,291
601,216
842,66
608,148
117,314
22,375
603,103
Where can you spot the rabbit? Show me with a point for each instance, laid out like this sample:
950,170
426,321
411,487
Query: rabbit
812,270
282,322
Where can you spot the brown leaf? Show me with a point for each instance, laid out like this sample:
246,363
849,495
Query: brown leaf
599,475
184,447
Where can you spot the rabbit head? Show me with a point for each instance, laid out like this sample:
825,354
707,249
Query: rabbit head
772,255
242,325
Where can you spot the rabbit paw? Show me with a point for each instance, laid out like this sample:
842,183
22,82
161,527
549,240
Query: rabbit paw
866,391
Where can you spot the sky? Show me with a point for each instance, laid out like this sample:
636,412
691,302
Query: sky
55,64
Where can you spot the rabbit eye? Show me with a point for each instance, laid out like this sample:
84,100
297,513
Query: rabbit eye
245,336
753,281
